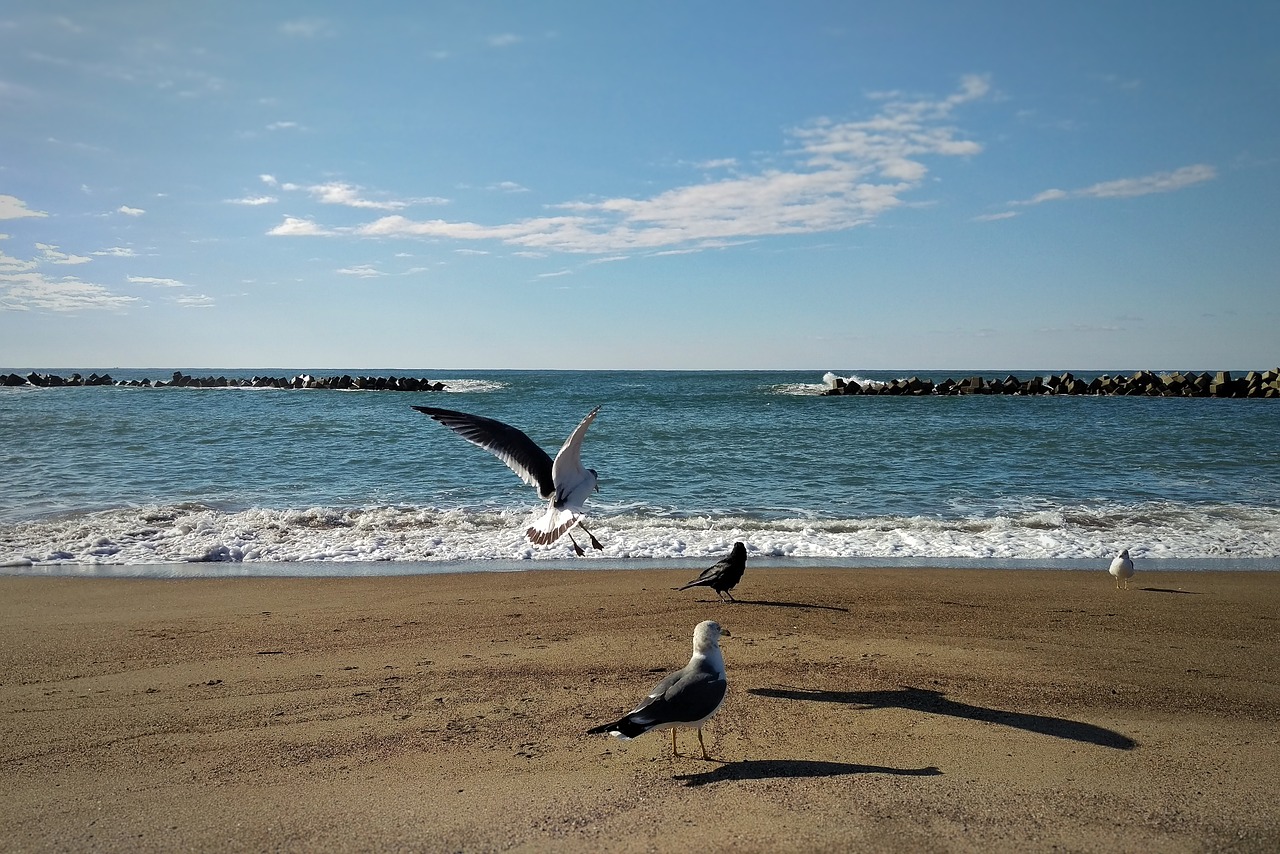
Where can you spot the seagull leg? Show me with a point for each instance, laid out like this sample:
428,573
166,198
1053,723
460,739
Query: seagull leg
595,544
577,548
674,752
702,744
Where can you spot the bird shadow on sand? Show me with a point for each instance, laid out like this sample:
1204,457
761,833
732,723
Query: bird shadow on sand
773,769
767,603
935,702
1169,590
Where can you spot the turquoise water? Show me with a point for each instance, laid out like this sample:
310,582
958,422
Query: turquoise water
688,463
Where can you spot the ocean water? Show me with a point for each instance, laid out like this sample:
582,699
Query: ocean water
116,480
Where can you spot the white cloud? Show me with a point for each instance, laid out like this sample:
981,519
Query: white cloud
22,288
353,196
158,282
1125,188
284,126
363,271
295,227
117,252
254,201
11,207
843,174
996,216
508,187
128,211
194,301
50,254
504,40
269,180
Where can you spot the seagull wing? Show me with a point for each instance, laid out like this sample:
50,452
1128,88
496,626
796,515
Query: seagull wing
521,454
567,469
685,697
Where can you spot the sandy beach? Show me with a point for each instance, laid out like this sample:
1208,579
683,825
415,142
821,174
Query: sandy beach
872,710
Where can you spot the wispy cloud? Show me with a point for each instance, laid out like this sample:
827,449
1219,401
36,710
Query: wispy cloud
504,40
116,252
1126,188
50,254
128,211
842,174
996,216
353,196
194,301
11,207
23,288
362,271
253,201
308,28
158,282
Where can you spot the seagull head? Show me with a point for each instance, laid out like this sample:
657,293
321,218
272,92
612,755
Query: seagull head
707,635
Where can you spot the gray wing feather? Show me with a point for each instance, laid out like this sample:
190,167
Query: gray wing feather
520,453
687,695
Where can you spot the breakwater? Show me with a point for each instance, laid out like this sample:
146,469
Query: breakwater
1252,384
344,382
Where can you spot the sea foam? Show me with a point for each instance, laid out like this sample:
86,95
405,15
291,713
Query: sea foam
197,533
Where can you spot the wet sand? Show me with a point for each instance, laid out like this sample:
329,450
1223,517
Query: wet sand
873,710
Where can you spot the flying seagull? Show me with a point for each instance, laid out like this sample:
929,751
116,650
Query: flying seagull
1122,568
686,698
723,575
565,484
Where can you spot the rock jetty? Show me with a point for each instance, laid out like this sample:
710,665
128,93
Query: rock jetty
1141,384
345,382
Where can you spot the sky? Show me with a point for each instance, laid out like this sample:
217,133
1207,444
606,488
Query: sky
668,185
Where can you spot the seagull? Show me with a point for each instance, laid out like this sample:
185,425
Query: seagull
1122,568
686,698
565,484
723,575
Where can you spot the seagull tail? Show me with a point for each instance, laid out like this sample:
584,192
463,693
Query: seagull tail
551,526
623,730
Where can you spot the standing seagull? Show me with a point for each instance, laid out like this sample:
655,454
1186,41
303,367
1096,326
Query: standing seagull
723,575
1122,568
686,698
565,484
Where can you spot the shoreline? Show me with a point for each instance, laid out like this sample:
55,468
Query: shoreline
399,568
884,709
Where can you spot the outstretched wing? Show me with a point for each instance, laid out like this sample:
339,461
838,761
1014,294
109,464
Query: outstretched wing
521,454
567,468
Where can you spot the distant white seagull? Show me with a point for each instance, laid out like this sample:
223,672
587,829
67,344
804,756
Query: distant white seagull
723,575
686,698
565,484
1122,568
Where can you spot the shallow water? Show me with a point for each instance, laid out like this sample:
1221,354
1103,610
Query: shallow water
689,462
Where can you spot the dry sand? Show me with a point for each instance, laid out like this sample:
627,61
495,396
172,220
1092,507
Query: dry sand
871,710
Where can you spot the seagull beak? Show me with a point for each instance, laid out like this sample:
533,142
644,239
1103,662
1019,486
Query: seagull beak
725,633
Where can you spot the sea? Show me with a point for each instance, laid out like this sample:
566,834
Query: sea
134,481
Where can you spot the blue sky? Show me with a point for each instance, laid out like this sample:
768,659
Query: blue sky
844,186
